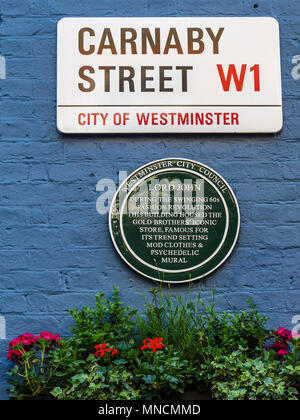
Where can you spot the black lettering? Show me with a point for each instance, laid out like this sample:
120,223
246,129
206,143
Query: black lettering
130,41
163,78
192,39
169,45
91,81
215,38
111,45
144,79
107,70
184,70
81,41
123,78
147,38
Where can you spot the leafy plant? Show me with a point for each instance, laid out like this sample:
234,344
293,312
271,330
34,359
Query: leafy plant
197,330
98,382
293,357
36,363
108,320
236,377
191,346
176,320
224,333
162,373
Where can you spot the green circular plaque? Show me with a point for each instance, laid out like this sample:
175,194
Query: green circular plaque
174,220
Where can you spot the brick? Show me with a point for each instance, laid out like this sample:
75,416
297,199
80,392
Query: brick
30,237
16,47
264,192
44,110
15,8
292,300
279,236
80,150
14,216
38,172
16,107
291,170
73,216
39,7
167,8
13,88
43,88
78,280
12,259
35,324
281,213
255,170
71,7
12,302
37,303
31,281
291,8
60,259
31,68
13,172
292,27
257,8
267,300
211,8
38,216
66,301
90,236
280,318
21,151
14,129
74,193
24,26
254,280
44,46
65,172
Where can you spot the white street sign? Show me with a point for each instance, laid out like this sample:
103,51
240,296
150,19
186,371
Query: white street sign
168,75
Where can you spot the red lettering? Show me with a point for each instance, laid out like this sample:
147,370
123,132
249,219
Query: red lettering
142,118
232,73
235,118
80,121
255,68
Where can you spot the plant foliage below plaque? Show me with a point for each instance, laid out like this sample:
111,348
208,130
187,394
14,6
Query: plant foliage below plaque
175,345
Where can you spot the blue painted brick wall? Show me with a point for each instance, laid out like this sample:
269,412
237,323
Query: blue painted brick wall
55,249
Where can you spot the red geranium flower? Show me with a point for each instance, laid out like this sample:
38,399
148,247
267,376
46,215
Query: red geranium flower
101,350
280,344
153,344
28,340
285,334
19,346
277,345
46,335
282,352
53,338
15,355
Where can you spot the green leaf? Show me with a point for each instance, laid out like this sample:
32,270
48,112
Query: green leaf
149,379
80,378
56,392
